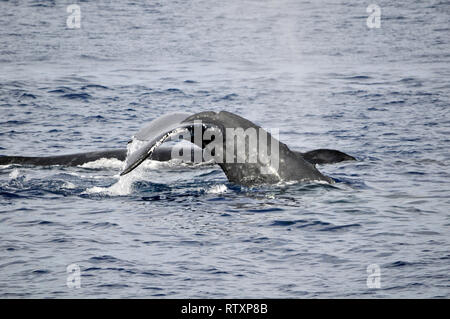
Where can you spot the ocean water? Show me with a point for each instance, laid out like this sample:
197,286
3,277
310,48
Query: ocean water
313,69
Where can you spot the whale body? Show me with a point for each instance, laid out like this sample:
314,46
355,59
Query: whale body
288,165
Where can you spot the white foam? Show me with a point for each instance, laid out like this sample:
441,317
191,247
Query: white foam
69,185
124,186
15,174
111,163
287,183
217,189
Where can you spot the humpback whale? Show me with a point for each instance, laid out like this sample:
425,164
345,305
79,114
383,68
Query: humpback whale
284,164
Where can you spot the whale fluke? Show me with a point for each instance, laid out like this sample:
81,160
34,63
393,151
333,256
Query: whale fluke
288,166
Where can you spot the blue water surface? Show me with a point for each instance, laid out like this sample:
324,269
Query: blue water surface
312,69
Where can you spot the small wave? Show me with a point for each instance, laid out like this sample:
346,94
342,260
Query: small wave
13,123
104,258
286,222
339,228
313,225
68,185
399,263
41,272
109,286
10,195
394,102
357,77
77,96
174,90
93,58
97,118
265,210
28,96
94,86
61,89
228,97
104,225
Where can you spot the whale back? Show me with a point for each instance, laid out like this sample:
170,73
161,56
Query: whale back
66,160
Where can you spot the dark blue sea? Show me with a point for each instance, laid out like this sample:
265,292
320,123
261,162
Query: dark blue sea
312,69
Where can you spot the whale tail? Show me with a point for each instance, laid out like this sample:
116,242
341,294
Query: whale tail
284,164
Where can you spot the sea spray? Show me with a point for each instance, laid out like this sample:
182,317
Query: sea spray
124,186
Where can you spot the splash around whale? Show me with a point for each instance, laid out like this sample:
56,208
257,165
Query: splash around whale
247,154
